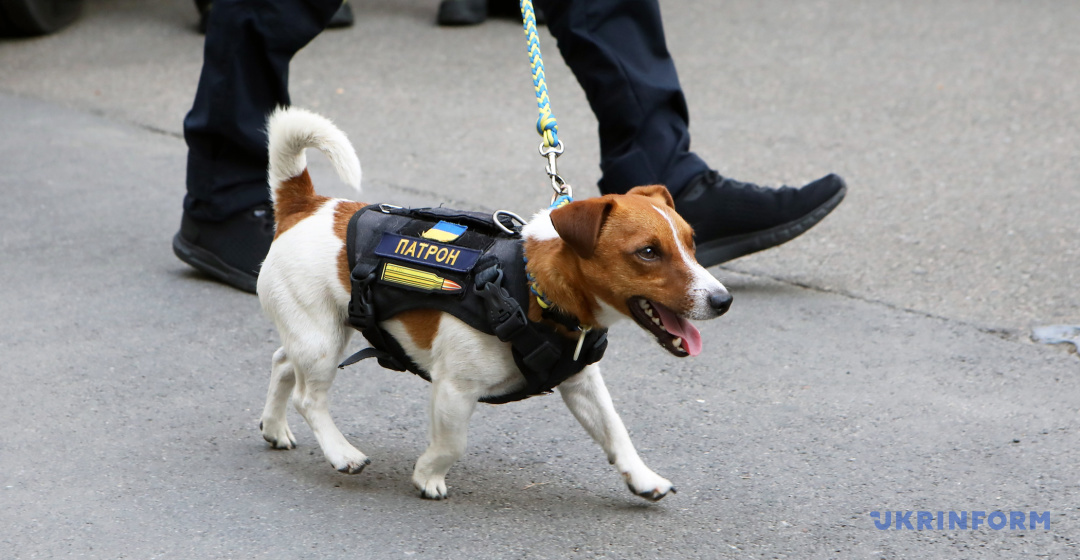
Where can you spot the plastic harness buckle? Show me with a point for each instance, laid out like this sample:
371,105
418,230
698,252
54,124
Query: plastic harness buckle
507,318
361,310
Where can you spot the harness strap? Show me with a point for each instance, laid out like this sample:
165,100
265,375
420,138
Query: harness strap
389,353
540,352
511,324
365,354
383,346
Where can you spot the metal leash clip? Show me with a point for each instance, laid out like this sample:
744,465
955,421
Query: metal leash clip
552,153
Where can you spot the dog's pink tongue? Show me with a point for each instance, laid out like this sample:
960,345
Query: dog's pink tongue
681,328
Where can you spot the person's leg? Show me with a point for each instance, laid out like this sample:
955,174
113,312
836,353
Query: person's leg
342,18
617,51
228,224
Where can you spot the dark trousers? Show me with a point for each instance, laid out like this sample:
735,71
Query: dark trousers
615,48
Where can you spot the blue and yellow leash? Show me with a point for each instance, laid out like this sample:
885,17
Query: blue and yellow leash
551,148
546,125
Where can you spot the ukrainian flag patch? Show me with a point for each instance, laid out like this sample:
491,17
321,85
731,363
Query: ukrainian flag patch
445,232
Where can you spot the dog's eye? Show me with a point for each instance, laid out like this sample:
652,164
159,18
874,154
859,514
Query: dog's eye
648,253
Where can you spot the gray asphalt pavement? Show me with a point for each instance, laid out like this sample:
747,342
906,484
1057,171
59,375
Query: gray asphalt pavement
880,363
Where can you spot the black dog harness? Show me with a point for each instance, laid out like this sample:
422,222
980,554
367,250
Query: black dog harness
465,264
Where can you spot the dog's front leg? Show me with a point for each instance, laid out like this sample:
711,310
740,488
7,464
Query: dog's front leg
449,411
588,399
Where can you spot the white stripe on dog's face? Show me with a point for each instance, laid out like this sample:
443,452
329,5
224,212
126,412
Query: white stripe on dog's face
703,284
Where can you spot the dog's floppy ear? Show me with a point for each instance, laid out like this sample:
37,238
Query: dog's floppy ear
579,223
658,192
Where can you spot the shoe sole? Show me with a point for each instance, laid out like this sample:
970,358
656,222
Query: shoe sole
729,248
208,263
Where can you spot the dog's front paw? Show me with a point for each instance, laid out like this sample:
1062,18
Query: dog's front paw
432,488
352,461
648,485
278,434
353,467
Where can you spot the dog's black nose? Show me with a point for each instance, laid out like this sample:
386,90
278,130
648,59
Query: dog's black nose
720,301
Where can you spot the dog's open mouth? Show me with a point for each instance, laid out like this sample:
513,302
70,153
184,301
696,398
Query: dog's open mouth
674,333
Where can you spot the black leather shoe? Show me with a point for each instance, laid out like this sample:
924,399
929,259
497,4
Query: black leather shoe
732,219
462,12
231,251
342,18
472,12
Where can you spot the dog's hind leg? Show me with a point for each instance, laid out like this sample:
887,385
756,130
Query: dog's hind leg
316,367
588,399
274,425
449,411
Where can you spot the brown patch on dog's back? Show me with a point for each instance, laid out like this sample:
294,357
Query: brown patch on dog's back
422,325
344,211
295,199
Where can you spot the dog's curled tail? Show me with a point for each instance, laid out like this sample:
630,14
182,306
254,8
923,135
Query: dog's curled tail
291,131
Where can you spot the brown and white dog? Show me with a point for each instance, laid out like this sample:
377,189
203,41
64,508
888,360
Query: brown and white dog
600,259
